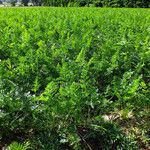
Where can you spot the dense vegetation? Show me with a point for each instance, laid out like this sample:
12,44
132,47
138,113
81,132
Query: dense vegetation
74,78
96,3
87,3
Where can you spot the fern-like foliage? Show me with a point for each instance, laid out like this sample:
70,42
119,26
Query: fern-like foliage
18,146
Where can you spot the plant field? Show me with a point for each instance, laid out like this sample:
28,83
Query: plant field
75,78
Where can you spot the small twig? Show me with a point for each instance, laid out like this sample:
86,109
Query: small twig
85,141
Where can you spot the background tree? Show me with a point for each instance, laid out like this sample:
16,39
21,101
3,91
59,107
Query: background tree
12,2
25,2
37,2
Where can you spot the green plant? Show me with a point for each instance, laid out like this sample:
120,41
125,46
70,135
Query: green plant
62,70
18,146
